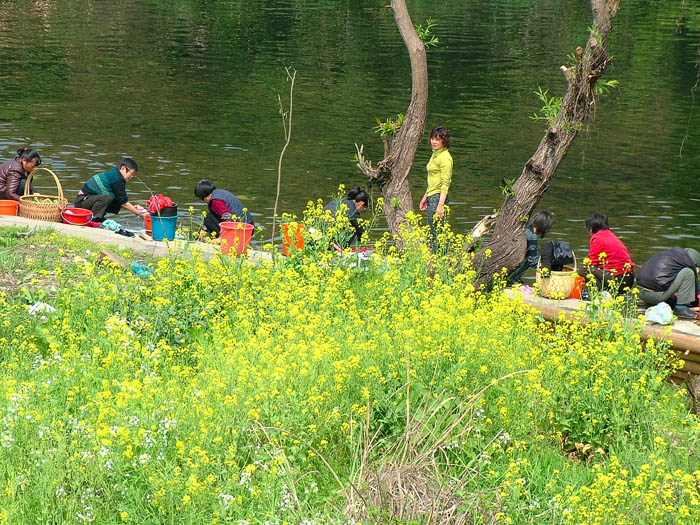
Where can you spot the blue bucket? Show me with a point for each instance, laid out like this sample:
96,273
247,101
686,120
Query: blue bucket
163,227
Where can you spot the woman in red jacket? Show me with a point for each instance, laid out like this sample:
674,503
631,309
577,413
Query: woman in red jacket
610,262
13,173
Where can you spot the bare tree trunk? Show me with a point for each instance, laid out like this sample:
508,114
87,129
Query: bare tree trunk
507,245
392,172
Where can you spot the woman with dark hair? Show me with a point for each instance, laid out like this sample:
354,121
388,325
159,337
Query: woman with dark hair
439,178
610,262
13,173
223,206
355,202
539,225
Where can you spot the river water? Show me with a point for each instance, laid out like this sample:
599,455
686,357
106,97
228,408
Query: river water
190,90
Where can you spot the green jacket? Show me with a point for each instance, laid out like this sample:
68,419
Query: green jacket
108,183
439,172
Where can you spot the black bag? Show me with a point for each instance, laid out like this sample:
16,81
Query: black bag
562,255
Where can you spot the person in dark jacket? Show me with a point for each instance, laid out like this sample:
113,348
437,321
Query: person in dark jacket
13,173
672,272
355,202
106,192
223,206
539,225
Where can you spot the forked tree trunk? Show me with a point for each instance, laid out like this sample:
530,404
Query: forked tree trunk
507,245
391,173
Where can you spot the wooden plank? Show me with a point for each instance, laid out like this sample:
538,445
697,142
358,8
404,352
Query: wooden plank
113,257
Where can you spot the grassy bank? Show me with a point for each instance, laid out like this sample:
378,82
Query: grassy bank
319,392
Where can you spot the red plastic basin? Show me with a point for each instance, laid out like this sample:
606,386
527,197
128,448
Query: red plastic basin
76,216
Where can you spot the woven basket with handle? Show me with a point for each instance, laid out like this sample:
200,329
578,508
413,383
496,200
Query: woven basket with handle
557,285
42,207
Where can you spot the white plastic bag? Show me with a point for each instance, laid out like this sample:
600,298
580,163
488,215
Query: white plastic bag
660,313
40,307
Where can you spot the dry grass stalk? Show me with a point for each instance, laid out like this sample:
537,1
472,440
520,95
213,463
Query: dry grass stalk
408,477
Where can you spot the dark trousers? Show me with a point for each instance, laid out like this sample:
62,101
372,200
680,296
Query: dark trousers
211,223
684,285
432,203
98,204
618,284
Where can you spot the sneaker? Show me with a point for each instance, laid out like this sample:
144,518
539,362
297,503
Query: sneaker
683,312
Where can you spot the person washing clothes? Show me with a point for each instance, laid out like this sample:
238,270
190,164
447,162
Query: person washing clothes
14,172
223,206
539,225
671,276
106,192
355,202
610,262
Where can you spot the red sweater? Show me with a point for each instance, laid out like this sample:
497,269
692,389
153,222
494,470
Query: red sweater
617,259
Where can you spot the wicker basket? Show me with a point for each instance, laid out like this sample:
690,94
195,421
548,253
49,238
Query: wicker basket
558,285
42,211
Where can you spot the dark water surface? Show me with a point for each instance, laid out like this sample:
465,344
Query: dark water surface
189,89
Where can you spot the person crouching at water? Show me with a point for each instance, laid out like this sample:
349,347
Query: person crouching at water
355,202
539,225
610,262
13,173
106,192
223,206
672,272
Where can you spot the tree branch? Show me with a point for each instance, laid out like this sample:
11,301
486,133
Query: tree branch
507,244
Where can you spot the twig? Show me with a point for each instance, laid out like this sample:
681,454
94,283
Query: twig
287,125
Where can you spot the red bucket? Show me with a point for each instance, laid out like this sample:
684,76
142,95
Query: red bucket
147,224
235,236
8,207
76,216
578,286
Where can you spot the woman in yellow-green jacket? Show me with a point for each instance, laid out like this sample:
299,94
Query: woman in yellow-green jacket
439,178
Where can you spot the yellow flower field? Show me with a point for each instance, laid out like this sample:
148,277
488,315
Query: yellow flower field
228,392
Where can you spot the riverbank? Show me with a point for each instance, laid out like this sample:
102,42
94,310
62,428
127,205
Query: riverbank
683,336
139,244
223,390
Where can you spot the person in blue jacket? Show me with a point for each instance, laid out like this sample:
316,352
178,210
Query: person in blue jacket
538,227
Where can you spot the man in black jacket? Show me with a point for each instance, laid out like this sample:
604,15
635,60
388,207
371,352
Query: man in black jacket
668,273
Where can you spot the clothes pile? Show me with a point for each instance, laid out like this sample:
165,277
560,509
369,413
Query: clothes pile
158,202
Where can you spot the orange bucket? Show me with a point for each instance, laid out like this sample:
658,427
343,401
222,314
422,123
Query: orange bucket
578,286
8,207
147,222
287,243
235,236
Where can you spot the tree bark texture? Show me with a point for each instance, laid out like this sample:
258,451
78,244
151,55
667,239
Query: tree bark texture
507,245
392,173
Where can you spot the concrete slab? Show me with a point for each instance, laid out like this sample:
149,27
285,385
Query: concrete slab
109,238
